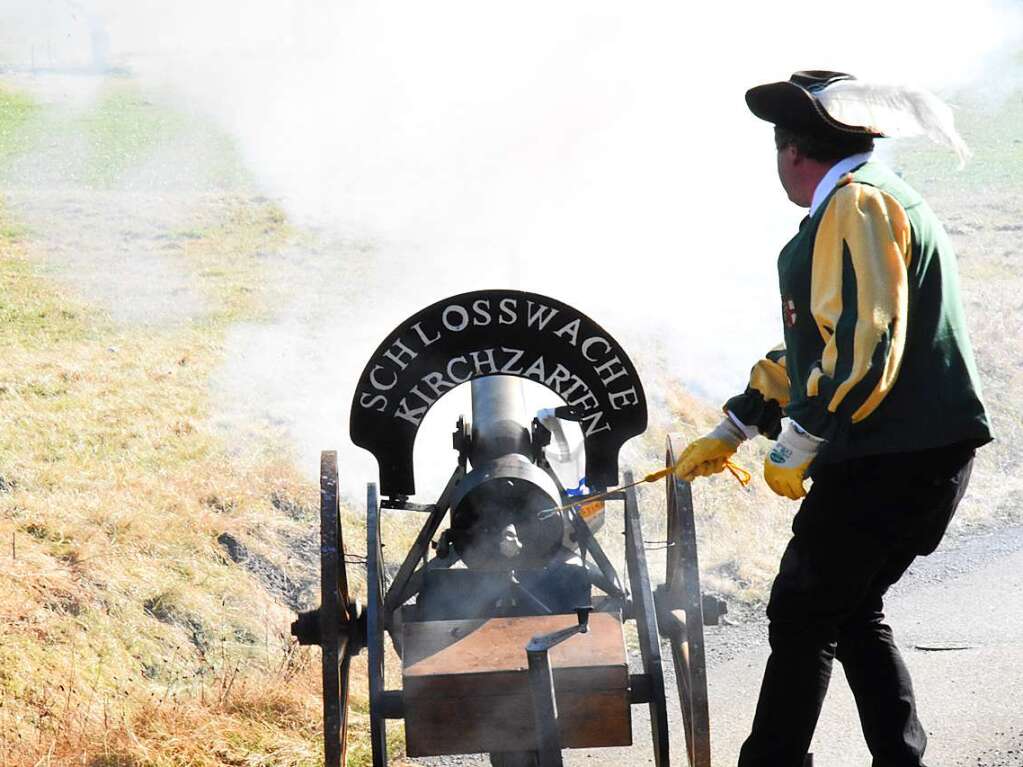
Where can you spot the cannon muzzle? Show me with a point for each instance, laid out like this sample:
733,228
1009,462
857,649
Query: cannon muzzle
495,508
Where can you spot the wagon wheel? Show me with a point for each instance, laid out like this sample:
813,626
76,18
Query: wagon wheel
375,591
645,614
680,611
337,625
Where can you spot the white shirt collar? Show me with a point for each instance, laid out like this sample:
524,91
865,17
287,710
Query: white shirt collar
832,177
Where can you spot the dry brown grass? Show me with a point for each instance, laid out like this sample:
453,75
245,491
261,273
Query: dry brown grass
127,635
129,631
985,227
228,716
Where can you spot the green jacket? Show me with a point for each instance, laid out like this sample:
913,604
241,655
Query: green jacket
876,356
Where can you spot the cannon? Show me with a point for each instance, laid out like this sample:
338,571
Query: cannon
509,622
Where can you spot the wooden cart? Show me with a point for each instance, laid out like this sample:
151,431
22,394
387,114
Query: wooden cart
519,680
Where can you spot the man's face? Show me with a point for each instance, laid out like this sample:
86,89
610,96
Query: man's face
796,174
787,156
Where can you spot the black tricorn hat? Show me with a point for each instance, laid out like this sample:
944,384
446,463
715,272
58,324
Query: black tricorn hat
794,104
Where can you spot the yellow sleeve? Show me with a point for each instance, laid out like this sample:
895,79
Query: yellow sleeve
859,297
770,377
766,395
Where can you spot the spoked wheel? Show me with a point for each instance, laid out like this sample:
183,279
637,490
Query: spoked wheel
337,625
645,614
375,591
680,615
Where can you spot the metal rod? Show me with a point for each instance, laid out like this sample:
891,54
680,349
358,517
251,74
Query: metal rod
586,539
742,476
397,595
537,603
545,707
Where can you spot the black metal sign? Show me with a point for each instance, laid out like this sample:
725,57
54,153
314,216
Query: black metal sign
496,332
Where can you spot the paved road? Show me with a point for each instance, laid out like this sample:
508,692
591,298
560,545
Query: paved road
967,596
971,699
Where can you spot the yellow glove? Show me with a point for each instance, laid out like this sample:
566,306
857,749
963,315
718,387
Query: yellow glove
707,455
785,466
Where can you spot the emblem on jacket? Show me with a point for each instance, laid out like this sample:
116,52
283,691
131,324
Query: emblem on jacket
788,312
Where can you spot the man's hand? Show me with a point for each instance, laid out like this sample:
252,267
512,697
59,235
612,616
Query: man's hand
785,466
707,455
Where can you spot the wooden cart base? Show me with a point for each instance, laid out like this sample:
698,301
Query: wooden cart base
466,686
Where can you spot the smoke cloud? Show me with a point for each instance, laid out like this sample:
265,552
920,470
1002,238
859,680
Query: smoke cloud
593,151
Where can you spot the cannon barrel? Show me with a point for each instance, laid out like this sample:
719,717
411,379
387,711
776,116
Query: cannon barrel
500,425
495,507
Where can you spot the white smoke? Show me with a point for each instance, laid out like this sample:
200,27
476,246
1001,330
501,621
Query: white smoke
595,151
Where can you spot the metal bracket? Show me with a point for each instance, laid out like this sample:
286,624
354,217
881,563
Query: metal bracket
541,687
713,608
400,503
540,438
461,440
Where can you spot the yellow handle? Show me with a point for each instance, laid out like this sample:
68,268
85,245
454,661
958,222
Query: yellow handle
742,476
658,474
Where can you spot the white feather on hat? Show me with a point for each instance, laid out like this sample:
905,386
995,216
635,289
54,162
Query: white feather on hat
893,110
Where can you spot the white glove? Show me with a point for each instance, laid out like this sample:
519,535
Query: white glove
785,467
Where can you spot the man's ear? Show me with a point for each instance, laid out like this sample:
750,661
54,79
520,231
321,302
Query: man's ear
795,155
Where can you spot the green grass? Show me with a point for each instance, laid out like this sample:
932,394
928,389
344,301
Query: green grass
11,232
122,130
126,126
33,315
17,111
991,130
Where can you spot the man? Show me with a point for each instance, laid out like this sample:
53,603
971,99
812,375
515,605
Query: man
878,380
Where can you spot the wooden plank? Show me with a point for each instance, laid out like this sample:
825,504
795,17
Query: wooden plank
505,723
478,658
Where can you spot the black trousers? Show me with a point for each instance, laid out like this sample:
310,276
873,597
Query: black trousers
859,528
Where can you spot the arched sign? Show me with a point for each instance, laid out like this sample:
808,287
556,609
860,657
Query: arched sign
496,332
